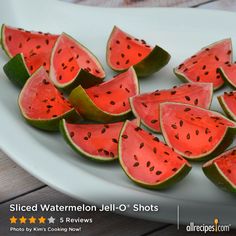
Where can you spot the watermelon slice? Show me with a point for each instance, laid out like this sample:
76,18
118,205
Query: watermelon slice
222,170
42,105
228,73
36,46
72,64
147,161
124,51
204,65
109,101
194,132
147,106
228,104
96,141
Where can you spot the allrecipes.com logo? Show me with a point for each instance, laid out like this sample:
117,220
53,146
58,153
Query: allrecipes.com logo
215,227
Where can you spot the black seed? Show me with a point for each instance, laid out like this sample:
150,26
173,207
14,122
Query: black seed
207,131
112,103
188,136
124,136
154,121
70,59
139,54
124,104
181,123
174,126
151,168
85,138
210,139
122,55
117,41
207,49
137,128
108,92
148,164
144,104
229,171
186,69
143,41
173,92
77,56
141,145
128,47
100,150
156,139
95,95
218,76
187,98
89,134
197,132
114,140
127,61
72,68
198,78
128,38
64,67
103,130
165,161
127,90
167,153
177,136
72,134
206,73
9,37
135,157
204,67
136,164
59,51
229,52
194,62
117,63
174,169
155,150
28,39
180,158
217,58
45,81
158,172
44,64
196,101
187,109
53,99
106,126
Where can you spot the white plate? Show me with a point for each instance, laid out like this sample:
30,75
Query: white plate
46,156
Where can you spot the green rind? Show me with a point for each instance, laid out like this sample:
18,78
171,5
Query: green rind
212,172
50,124
16,70
225,108
156,60
185,79
226,79
180,174
3,43
83,78
88,109
225,142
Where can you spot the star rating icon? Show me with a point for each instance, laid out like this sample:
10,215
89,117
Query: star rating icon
51,220
22,220
42,220
13,220
32,220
